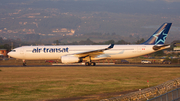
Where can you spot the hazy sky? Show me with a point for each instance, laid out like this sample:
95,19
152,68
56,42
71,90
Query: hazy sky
115,6
137,16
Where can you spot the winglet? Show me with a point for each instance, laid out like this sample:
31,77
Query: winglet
111,46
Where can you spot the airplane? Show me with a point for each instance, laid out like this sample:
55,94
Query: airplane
79,53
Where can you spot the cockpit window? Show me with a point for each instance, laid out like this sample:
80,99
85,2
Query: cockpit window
13,51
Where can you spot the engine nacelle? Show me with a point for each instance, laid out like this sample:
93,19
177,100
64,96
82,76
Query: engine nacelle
70,59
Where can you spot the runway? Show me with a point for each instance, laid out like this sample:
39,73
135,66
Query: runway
102,65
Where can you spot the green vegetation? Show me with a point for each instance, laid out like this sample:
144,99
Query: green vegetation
87,83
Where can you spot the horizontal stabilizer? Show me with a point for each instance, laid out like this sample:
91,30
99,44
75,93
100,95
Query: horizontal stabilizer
161,47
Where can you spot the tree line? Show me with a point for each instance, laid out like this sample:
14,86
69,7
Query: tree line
13,43
90,42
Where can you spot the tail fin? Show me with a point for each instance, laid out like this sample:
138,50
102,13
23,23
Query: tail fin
159,36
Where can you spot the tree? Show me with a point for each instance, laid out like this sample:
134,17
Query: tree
1,40
86,42
140,41
122,42
110,42
7,46
57,42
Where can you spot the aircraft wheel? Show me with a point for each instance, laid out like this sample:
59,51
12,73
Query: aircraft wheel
24,64
93,63
87,63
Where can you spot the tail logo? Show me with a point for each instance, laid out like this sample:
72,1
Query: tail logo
162,39
159,37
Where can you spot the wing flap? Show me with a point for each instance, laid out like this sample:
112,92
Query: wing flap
93,53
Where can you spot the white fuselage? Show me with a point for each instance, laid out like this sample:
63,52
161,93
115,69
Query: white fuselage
55,52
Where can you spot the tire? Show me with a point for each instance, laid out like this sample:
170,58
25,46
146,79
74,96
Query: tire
24,64
87,63
93,63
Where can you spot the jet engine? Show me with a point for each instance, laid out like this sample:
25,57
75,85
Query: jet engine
70,59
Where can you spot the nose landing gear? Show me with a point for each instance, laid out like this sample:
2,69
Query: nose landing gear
24,63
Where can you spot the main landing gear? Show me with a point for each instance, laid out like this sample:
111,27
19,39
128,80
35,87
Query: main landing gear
24,63
90,63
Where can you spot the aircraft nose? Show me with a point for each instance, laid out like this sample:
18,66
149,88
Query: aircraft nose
9,54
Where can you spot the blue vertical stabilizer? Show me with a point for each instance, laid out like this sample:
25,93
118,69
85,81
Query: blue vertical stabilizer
159,36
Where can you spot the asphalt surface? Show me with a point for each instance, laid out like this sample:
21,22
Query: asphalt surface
116,65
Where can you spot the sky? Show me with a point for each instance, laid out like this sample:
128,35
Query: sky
146,14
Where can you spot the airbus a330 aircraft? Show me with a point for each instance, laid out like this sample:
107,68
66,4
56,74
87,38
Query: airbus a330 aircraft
78,53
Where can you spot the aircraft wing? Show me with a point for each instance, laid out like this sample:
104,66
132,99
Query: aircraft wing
93,53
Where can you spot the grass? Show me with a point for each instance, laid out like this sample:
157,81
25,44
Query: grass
89,83
19,62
